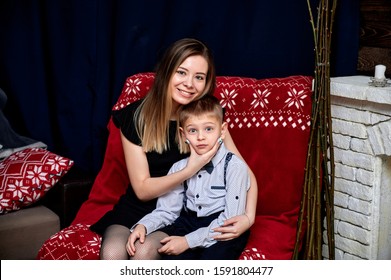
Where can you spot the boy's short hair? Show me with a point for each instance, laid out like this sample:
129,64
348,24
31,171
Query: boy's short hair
208,104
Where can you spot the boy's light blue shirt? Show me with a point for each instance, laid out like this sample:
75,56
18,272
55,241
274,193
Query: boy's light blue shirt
205,195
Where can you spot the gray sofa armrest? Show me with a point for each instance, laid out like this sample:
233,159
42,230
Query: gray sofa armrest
23,232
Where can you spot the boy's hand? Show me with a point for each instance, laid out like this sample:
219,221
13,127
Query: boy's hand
173,245
139,232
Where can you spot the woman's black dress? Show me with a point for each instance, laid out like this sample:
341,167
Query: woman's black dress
129,209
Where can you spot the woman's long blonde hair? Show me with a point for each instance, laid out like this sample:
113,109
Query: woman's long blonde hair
153,116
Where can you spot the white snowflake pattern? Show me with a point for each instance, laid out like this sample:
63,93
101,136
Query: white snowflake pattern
96,241
260,98
253,254
3,202
296,98
57,162
14,157
36,175
18,189
63,234
227,98
133,86
27,200
36,196
53,179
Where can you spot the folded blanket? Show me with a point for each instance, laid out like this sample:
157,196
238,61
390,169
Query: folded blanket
10,141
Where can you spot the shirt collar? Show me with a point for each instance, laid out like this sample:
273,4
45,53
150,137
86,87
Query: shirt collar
220,155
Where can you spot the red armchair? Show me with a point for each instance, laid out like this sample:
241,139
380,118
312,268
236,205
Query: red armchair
269,120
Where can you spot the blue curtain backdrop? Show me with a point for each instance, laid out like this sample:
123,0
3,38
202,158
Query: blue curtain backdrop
63,62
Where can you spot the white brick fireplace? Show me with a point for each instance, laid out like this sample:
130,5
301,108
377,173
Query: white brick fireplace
362,150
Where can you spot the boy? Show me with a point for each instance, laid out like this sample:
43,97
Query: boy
189,213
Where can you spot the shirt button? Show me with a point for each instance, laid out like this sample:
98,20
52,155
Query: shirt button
237,197
199,175
199,207
197,196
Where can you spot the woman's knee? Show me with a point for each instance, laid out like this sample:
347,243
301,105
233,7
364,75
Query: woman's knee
114,243
113,252
149,249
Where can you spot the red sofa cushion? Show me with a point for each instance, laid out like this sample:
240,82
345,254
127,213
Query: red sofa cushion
269,120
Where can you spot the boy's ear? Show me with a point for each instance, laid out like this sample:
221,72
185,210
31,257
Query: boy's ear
182,132
224,128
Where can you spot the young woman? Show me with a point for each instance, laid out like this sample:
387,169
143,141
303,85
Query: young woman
148,133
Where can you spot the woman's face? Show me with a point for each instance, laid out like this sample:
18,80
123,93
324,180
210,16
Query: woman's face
189,80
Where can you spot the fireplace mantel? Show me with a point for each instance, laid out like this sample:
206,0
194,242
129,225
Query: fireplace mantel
361,116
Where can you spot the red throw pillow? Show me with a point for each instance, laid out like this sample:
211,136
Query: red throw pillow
26,176
76,242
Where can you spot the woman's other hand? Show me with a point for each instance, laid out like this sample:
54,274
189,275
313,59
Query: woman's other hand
233,228
197,161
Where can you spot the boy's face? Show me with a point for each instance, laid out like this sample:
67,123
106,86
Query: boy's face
203,132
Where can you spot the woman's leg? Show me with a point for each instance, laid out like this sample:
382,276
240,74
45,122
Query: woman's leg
148,250
114,243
